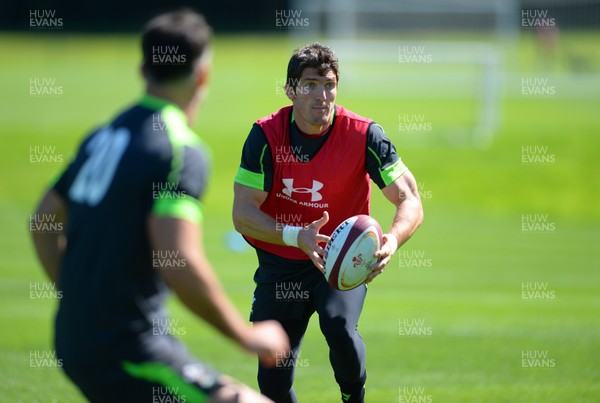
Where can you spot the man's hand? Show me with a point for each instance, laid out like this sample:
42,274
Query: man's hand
404,195
390,244
309,239
269,341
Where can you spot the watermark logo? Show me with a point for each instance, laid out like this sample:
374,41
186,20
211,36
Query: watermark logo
283,219
536,291
414,259
424,193
413,394
167,327
167,190
168,259
295,83
414,327
413,54
45,224
537,19
168,55
280,85
290,291
537,224
537,359
44,19
44,359
290,155
290,360
44,87
537,155
167,394
44,155
290,19
413,122
158,123
532,86
44,290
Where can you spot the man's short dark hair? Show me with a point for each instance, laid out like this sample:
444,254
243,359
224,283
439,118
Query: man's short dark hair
172,44
312,55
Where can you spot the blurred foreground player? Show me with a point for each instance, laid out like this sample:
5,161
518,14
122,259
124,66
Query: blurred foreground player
305,169
130,204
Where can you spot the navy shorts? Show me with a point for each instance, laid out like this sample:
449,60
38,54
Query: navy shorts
159,370
297,297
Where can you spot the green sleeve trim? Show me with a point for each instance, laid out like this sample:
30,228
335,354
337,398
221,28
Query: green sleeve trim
393,172
178,206
165,375
250,179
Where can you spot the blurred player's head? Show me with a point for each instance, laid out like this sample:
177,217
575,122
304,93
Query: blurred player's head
173,45
176,56
311,85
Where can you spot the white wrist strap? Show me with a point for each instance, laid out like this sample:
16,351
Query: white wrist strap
290,235
392,242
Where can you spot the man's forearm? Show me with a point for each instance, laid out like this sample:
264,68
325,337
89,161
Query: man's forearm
258,225
408,217
250,220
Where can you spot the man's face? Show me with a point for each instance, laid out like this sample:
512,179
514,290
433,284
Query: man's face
314,100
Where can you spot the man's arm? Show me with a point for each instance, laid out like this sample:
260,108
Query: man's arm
199,289
50,247
250,220
404,195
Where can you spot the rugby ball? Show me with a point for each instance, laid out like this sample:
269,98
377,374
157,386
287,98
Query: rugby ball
350,252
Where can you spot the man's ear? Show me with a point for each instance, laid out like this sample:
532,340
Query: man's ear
203,74
289,92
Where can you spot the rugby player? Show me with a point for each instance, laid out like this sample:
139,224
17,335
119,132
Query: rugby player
130,204
305,169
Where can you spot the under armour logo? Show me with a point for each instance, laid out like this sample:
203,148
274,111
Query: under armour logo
315,195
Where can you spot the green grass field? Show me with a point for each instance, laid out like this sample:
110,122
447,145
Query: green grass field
464,292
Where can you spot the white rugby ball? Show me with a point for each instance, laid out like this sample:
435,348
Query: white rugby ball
350,252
